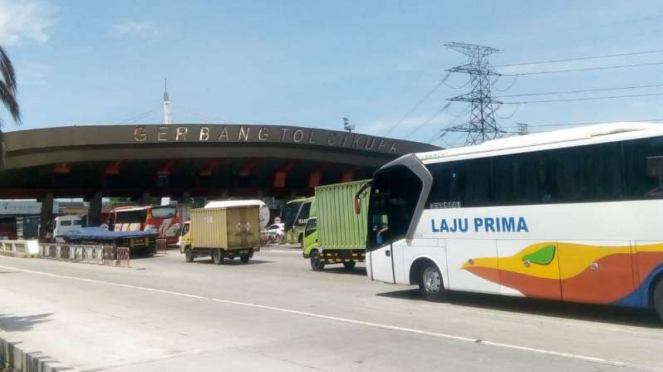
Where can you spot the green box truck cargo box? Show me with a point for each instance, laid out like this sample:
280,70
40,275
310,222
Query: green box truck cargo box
338,225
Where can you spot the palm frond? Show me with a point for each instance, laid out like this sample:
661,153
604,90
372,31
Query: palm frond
7,71
9,100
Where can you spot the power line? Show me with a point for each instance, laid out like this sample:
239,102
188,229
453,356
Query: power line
437,113
588,123
586,69
584,98
416,106
582,91
582,58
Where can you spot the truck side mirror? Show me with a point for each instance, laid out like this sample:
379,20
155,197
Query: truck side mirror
357,205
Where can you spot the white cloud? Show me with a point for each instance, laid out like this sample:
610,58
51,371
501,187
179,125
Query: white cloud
134,28
25,21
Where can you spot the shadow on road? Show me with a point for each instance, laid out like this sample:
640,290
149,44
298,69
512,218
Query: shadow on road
9,323
595,313
235,262
359,271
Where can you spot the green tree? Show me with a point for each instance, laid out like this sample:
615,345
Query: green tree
7,96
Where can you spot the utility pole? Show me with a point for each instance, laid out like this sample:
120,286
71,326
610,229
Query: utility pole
347,126
167,113
482,125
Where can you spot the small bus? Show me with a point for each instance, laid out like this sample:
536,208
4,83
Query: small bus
571,215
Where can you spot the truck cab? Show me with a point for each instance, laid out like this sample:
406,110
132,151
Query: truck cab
310,241
185,237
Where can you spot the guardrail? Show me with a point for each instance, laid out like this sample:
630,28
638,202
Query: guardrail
19,248
97,254
161,245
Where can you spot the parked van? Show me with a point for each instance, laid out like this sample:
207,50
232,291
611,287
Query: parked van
64,224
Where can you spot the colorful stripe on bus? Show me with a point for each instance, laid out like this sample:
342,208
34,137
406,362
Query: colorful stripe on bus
618,275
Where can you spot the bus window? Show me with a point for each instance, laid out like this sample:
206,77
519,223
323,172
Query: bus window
134,216
643,168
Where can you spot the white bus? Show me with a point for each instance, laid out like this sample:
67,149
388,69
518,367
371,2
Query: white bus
572,215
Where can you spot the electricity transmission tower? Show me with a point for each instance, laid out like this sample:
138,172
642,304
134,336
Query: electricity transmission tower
482,125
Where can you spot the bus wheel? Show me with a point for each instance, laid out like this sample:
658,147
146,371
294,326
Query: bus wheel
658,298
430,283
188,255
217,256
349,265
316,264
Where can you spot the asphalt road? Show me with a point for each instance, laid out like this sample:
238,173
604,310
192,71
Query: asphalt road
275,314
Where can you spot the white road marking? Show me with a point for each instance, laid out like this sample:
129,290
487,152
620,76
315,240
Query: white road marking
337,319
263,250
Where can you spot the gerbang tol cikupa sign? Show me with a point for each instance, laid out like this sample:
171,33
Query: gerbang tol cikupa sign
257,134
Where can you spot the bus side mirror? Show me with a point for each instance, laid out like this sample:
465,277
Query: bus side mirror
357,205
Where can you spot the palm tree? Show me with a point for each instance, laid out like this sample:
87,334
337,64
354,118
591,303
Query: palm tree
7,96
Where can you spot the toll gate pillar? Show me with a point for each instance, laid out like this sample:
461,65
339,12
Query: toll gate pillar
46,218
94,212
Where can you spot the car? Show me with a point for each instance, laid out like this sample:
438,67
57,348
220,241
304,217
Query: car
275,232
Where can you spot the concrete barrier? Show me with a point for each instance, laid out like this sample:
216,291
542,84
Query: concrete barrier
19,248
14,359
95,254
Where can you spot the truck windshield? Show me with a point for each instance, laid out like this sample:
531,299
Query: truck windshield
311,227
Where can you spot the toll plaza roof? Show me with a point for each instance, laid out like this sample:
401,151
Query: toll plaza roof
199,159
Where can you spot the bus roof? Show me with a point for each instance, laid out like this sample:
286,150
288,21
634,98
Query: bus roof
140,207
299,200
586,135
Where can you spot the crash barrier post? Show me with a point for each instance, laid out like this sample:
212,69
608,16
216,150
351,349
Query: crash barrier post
19,248
98,254
162,245
267,239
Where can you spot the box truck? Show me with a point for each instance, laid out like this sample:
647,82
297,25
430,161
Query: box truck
224,232
335,233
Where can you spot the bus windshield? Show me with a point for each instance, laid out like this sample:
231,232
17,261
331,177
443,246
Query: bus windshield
394,195
290,212
168,211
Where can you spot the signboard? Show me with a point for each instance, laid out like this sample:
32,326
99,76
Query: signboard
22,207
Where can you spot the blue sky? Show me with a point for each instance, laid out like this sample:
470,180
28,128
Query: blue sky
310,63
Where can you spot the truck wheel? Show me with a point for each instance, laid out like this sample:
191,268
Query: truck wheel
316,264
430,283
349,265
188,255
217,256
244,257
658,298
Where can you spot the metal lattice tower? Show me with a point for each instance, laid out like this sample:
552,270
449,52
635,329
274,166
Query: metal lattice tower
482,125
167,113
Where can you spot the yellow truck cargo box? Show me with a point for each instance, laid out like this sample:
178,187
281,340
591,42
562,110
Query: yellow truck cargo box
228,228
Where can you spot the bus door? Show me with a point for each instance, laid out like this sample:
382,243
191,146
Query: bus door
381,257
395,193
